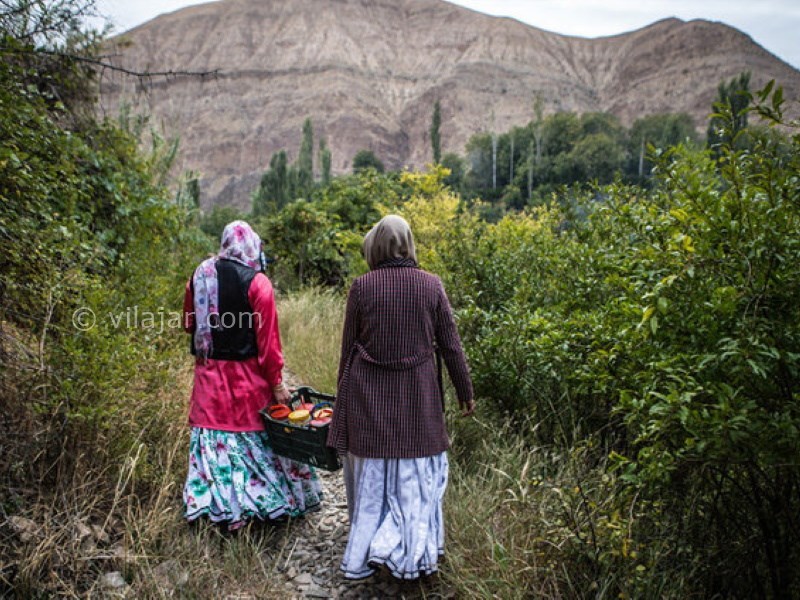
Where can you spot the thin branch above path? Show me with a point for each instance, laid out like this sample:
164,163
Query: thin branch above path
103,64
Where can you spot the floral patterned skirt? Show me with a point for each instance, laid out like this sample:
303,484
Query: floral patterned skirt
234,477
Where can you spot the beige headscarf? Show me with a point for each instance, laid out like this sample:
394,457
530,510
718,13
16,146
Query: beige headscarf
389,239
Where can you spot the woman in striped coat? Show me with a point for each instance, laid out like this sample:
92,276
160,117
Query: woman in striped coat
389,420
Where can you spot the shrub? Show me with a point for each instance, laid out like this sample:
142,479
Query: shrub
664,325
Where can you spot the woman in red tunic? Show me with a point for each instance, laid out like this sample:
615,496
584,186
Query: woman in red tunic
389,420
229,308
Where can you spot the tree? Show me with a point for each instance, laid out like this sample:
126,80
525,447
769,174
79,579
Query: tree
45,23
535,153
274,190
560,132
595,157
479,161
736,95
600,122
50,41
454,163
215,221
324,162
305,159
188,194
366,159
293,188
55,44
494,155
280,180
511,158
303,238
436,139
660,131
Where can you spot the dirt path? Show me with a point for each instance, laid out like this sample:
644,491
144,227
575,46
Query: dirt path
312,552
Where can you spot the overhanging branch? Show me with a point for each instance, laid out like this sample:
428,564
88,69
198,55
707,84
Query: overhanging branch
102,64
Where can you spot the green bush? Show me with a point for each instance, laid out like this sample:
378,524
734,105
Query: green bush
664,324
84,226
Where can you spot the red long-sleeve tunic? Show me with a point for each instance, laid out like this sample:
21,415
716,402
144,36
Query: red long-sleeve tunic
228,394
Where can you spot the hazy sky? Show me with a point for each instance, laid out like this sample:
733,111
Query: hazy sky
775,24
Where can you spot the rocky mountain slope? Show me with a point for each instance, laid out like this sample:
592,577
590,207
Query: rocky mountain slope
367,72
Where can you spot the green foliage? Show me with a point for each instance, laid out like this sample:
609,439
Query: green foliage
84,226
665,324
304,241
436,133
213,223
529,521
733,99
94,257
453,163
324,162
274,191
366,159
656,133
317,241
282,183
533,161
50,45
596,157
636,353
479,159
305,160
646,342
561,132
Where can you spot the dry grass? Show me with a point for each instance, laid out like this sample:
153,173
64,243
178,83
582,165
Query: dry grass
521,521
531,522
80,502
311,332
93,527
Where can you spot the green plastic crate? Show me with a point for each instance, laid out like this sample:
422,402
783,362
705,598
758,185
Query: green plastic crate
303,443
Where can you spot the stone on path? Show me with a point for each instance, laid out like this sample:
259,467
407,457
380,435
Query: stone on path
113,580
26,529
169,575
303,579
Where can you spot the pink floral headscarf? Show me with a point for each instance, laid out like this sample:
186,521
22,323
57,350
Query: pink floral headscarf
240,243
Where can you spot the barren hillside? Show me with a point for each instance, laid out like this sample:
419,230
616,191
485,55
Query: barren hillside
367,72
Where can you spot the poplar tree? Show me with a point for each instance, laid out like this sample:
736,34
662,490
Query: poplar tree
736,94
436,137
305,160
273,192
325,161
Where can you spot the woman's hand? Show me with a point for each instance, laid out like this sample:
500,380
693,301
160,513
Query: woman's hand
467,407
281,394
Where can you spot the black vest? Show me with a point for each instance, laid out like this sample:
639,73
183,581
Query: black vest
234,334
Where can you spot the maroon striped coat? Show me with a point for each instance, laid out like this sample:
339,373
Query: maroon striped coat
388,400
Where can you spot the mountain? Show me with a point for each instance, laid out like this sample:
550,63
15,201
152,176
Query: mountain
367,72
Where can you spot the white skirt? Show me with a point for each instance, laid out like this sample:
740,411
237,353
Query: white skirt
396,519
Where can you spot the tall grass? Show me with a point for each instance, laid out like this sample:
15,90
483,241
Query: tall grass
81,501
522,520
311,333
525,521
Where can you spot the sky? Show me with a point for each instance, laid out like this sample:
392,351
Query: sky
774,24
